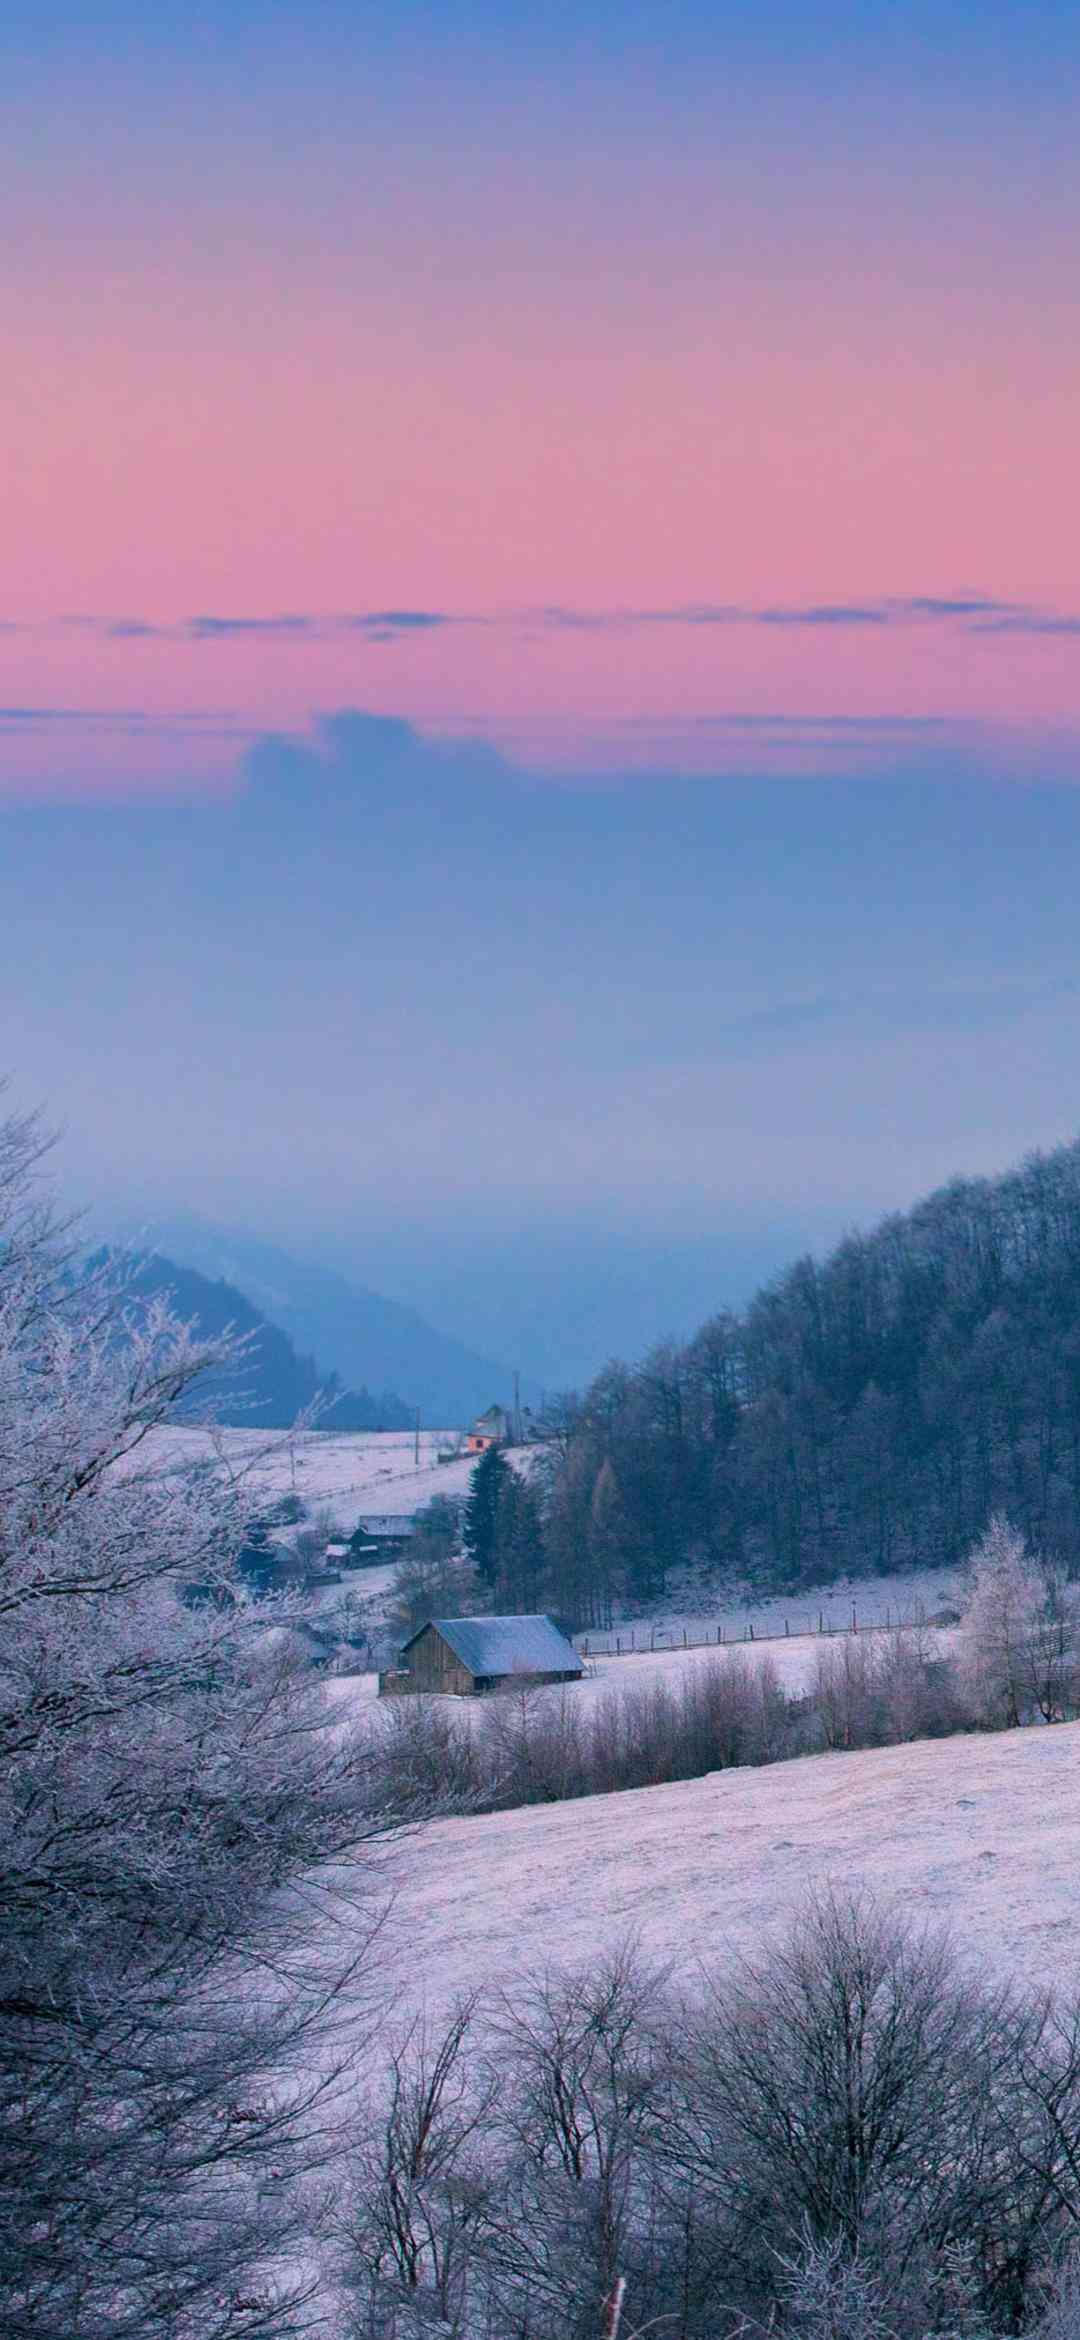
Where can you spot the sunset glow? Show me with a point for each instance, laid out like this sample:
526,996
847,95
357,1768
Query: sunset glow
637,329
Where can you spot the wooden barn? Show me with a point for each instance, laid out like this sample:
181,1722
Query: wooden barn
461,1657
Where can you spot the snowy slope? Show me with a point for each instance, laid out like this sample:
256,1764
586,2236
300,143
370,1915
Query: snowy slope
982,1832
352,1471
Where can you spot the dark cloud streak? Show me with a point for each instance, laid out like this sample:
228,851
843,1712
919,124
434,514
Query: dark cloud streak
971,614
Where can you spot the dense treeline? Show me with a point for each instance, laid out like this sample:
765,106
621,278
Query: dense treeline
850,2139
866,1414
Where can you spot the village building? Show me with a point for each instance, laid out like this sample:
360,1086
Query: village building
494,1428
461,1657
379,1536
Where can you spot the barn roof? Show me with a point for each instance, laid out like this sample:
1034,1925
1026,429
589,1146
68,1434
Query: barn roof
507,1645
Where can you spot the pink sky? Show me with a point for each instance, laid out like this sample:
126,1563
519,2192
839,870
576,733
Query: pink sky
824,358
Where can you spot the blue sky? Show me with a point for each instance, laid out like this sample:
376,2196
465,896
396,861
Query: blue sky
491,1041
706,379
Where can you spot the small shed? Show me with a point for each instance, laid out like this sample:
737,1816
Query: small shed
464,1656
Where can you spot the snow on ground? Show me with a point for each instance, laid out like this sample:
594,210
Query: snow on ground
352,1472
979,1832
875,1600
356,1472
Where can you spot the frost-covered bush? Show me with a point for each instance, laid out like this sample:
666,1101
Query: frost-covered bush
166,1783
854,2138
1019,1634
873,1690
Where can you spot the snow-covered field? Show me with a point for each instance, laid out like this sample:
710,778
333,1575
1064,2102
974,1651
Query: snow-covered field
981,1832
875,1600
351,1472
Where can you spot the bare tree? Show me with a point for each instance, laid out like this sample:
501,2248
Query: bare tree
851,2140
419,2193
815,2078
844,1690
1053,1648
583,2082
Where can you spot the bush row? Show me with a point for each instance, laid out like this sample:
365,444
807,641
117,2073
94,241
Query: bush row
850,2139
531,1745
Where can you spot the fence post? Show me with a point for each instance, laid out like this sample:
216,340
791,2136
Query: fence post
820,1621
787,1630
685,1643
618,1646
751,1629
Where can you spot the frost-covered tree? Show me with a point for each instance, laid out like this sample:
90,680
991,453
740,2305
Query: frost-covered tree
169,1798
1020,1633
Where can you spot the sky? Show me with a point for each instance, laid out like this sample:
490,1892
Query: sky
540,625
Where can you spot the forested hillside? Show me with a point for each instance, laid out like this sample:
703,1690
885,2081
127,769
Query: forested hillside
273,1384
865,1413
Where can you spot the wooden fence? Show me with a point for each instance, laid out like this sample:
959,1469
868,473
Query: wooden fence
641,1640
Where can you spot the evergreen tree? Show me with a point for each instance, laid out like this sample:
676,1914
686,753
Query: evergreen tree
480,1526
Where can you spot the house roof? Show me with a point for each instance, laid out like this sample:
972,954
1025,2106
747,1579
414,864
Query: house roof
506,1645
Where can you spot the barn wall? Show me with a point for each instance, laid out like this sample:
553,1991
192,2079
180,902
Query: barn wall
433,1666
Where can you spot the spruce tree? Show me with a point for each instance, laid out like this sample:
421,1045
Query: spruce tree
480,1528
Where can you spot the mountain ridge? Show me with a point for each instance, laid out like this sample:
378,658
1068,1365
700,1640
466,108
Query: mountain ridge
273,1384
373,1342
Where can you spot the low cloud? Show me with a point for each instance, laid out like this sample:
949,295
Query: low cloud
807,726
824,614
150,722
217,629
972,614
1026,621
401,621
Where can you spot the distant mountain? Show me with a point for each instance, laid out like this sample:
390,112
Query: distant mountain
375,1343
272,1384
